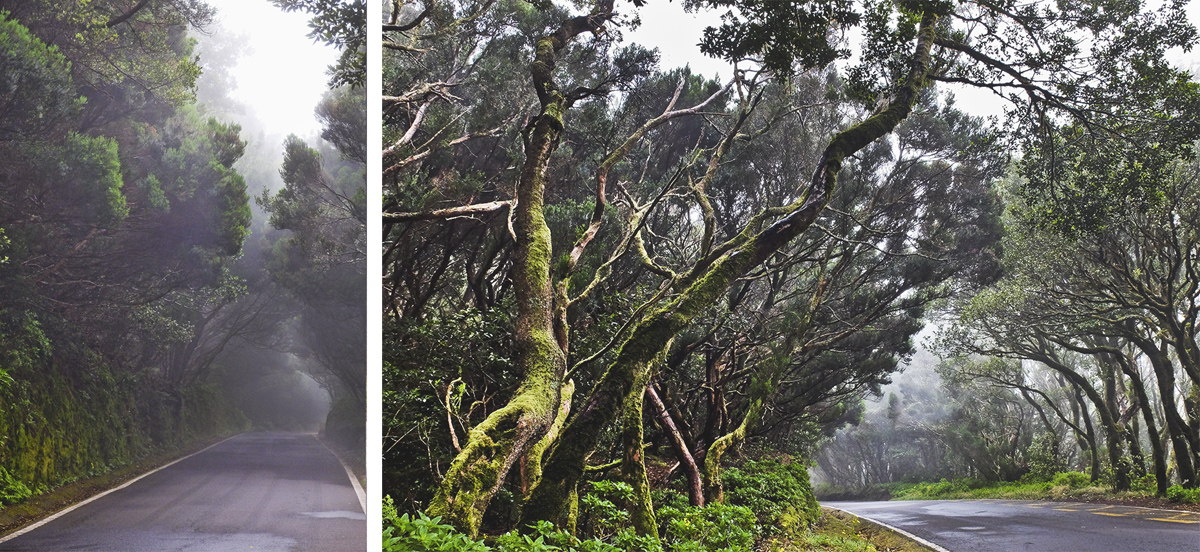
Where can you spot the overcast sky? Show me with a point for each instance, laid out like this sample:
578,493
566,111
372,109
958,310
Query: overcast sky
283,77
676,34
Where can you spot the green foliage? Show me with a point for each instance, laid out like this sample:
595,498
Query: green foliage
944,487
37,92
92,174
1071,480
420,533
716,527
603,511
545,538
472,346
12,490
781,33
343,116
1145,484
58,424
1176,493
1044,459
778,493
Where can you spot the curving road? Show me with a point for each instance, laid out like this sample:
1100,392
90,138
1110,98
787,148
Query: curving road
1014,525
266,492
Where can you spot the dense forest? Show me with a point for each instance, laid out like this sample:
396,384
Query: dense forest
166,275
1081,357
628,304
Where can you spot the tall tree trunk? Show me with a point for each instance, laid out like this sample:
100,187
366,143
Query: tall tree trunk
1177,427
648,341
1112,434
509,433
1115,430
1092,447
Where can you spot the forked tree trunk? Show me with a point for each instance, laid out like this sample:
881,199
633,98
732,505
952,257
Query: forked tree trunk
714,491
508,434
649,340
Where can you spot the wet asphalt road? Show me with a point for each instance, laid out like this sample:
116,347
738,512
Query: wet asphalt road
1016,525
265,492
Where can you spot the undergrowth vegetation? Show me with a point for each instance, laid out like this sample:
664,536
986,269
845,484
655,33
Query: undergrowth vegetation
767,504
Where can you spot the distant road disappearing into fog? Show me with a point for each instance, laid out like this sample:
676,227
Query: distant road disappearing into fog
1010,525
260,492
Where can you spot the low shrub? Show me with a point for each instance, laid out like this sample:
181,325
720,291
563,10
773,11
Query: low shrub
546,538
420,533
1176,493
1073,480
604,510
779,494
716,528
1145,484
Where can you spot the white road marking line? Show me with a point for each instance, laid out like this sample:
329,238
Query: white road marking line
358,490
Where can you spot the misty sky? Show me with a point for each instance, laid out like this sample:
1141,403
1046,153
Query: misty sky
283,77
678,46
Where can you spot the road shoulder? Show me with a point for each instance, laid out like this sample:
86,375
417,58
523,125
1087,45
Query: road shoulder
837,522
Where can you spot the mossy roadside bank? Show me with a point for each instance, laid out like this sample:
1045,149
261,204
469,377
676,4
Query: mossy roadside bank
41,506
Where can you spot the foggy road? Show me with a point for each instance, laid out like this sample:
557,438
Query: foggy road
1009,525
266,492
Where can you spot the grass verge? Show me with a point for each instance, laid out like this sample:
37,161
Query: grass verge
838,531
1066,486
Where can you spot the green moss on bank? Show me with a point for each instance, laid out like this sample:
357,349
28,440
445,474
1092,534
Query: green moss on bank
37,507
65,415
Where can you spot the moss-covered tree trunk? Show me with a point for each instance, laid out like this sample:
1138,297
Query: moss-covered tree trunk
714,491
633,462
649,339
508,434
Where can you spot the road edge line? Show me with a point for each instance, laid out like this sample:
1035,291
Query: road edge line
72,507
919,540
358,490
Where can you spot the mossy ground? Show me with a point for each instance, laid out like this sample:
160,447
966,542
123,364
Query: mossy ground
40,506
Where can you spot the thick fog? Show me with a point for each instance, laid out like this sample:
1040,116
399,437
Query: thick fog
263,72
